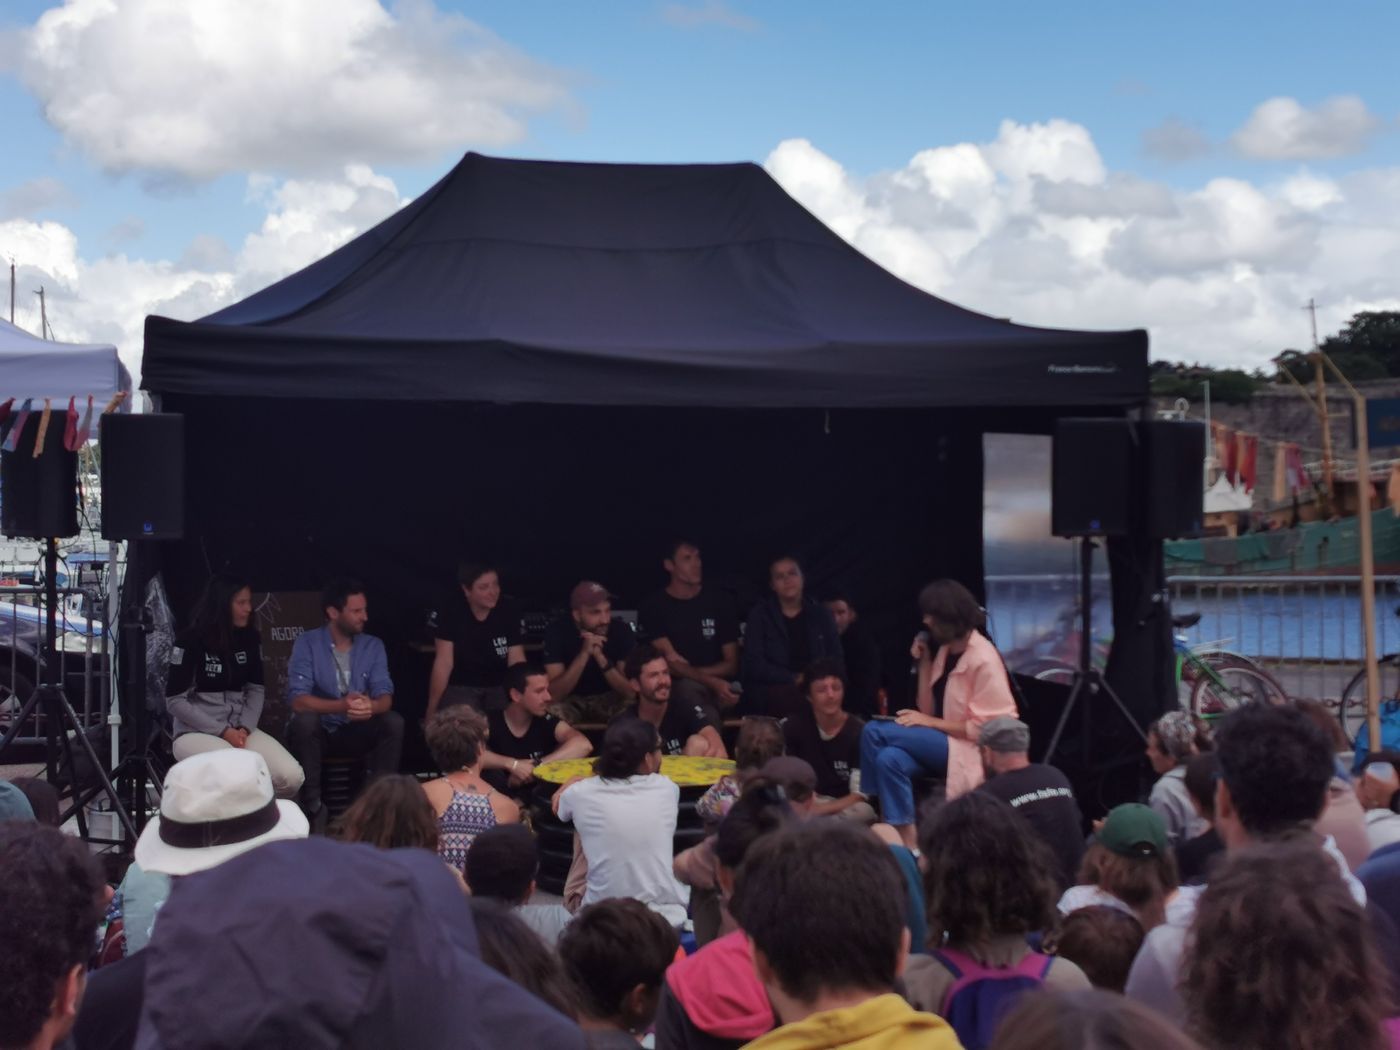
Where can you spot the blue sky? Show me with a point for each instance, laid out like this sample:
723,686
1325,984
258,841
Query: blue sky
1208,264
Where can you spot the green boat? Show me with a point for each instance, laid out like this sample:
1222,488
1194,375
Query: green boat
1315,548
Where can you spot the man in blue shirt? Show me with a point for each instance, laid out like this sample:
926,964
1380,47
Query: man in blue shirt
341,695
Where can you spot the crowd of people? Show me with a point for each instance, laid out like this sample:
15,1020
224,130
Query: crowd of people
859,881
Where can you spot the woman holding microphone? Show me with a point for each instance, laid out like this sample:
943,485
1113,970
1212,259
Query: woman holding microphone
962,684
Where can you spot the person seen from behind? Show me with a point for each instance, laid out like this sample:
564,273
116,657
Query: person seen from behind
1087,1020
1171,741
1127,866
501,866
463,802
1101,941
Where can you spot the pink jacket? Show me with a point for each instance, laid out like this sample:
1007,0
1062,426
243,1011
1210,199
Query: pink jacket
978,691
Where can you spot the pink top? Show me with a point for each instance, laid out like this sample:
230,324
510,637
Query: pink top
977,691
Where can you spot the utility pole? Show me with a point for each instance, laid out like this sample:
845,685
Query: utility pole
1322,411
12,291
43,314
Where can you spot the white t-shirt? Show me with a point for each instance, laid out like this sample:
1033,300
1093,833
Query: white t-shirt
627,828
1077,897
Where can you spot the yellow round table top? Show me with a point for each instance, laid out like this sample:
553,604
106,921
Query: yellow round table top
684,770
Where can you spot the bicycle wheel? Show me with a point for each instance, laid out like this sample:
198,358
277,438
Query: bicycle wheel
1047,670
1352,709
1242,681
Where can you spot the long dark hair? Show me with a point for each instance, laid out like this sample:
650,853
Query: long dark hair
626,742
212,620
762,808
511,948
392,813
1280,955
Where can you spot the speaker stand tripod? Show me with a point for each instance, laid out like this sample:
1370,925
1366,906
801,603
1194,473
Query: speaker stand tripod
1088,681
61,722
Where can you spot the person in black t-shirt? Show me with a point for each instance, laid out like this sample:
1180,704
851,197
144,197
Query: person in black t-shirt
785,632
1196,857
525,734
697,630
1040,793
581,657
684,729
862,656
476,640
827,738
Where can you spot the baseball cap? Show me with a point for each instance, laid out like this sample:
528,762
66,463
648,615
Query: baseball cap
1134,830
13,803
1005,734
588,594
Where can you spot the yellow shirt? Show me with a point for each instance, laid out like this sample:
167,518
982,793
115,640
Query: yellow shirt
885,1022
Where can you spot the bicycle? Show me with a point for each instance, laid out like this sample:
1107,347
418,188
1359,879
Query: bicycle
1351,711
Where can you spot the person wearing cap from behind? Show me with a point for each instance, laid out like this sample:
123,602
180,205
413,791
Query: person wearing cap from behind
581,657
1038,792
1129,866
216,805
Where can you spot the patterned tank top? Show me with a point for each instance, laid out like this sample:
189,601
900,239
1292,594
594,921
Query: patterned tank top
466,816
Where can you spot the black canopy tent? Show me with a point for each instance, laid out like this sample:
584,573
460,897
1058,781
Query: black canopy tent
558,365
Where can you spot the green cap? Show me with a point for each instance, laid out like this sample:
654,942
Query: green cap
1134,830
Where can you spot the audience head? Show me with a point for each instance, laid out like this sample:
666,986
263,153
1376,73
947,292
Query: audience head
797,779
615,954
14,804
1379,781
988,875
1202,771
528,685
1101,941
481,584
631,746
43,800
1326,721
823,905
502,864
514,950
759,740
647,670
683,562
343,602
1092,1020
1275,768
825,685
456,737
762,809
391,813
1131,859
591,606
842,609
1004,744
1280,956
785,578
950,612
225,603
51,898
1171,741
216,805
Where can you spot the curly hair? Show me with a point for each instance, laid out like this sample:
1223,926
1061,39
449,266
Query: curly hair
988,872
49,909
1086,1020
1142,883
1176,735
760,739
391,813
456,737
1276,765
1280,956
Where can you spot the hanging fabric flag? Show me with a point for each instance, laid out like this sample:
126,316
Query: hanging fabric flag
7,419
1232,455
1248,460
1298,479
84,431
17,431
1280,490
1392,489
70,425
43,428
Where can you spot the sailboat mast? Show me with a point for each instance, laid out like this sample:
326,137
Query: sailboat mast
1322,410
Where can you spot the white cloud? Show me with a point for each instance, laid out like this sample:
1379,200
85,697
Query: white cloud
194,90
1034,227
36,195
707,13
107,299
1283,129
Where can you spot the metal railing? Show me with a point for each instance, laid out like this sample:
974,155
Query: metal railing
1306,630
83,657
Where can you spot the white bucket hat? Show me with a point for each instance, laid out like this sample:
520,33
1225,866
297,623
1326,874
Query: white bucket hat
216,805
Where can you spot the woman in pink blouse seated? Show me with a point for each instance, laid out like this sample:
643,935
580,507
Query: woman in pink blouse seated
962,684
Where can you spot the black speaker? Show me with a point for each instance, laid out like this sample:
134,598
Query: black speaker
39,494
1090,477
143,476
1175,455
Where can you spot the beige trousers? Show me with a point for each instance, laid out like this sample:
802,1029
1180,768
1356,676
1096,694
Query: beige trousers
285,770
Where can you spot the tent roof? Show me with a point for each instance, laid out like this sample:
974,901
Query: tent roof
39,368
516,281
1223,497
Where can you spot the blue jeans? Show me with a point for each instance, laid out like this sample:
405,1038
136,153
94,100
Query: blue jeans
890,756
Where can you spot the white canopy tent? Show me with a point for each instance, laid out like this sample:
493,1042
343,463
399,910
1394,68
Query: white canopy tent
38,368
1222,497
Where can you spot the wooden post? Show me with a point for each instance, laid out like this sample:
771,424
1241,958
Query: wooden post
1368,574
1326,435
